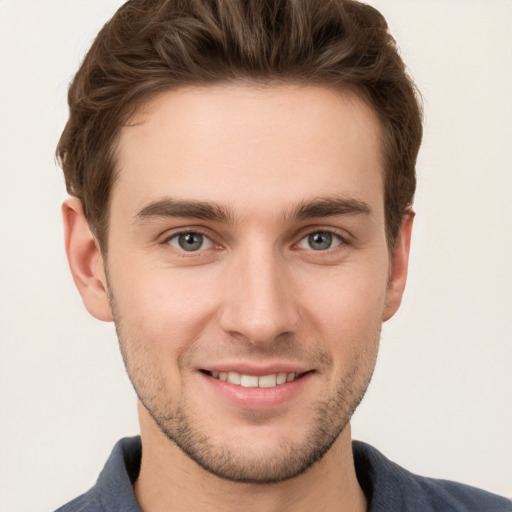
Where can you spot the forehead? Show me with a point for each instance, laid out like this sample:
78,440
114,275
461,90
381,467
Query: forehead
230,143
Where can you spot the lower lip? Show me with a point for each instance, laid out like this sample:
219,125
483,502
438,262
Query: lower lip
257,398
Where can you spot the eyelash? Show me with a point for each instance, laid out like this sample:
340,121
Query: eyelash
335,238
341,240
183,252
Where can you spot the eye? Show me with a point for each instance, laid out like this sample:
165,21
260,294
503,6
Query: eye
190,241
320,241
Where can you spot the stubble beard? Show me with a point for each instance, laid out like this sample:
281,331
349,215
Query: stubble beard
328,419
289,460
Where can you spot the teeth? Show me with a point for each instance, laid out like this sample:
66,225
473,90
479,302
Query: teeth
268,381
253,381
281,378
234,378
290,377
249,381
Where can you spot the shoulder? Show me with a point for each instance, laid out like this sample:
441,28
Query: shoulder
113,489
391,487
457,497
83,503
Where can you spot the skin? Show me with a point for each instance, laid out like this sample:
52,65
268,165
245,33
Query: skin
268,167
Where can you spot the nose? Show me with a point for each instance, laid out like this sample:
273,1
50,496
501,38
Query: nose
259,300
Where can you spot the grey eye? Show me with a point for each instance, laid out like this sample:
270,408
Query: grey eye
190,242
320,241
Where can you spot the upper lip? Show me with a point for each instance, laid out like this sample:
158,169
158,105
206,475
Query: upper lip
259,370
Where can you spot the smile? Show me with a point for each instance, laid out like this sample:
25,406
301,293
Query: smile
254,381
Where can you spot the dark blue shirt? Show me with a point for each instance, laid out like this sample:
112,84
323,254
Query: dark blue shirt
388,487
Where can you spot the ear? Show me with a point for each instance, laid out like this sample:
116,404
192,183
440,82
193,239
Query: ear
85,260
398,267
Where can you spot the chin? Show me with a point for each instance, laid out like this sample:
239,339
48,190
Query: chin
255,454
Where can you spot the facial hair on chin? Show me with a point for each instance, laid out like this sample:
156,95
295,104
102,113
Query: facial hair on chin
178,422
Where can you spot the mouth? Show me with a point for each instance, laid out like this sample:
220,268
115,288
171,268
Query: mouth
256,381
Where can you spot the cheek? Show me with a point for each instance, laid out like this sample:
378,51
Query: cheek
163,307
347,296
347,313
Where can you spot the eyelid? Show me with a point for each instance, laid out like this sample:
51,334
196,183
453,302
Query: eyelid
337,240
206,242
183,230
342,235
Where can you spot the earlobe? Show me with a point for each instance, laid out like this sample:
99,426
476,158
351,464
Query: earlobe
398,267
85,260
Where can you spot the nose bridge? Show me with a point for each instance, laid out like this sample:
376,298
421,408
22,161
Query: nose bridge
259,303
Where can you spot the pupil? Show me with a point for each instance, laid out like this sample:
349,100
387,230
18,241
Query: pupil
191,241
320,241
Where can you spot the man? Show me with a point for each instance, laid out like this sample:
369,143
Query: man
242,177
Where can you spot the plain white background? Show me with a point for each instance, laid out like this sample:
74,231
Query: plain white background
441,400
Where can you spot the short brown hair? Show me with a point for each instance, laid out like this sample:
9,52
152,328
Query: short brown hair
150,46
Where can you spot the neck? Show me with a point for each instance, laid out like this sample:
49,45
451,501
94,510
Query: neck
170,480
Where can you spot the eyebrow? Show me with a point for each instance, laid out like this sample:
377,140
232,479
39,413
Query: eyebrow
190,209
203,210
328,207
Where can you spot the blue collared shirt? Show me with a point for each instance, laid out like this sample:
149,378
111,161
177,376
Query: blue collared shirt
387,486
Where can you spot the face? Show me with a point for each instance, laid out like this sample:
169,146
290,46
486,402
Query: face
248,270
